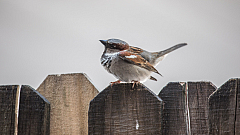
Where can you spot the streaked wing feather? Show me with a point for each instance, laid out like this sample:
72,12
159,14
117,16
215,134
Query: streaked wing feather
137,60
135,49
152,78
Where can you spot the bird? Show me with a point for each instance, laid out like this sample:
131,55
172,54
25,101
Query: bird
131,64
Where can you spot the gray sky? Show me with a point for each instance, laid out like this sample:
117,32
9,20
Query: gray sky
42,37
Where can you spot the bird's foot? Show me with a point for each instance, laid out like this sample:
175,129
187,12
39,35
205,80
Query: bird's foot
116,82
135,83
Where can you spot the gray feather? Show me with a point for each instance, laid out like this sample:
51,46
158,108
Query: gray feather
158,56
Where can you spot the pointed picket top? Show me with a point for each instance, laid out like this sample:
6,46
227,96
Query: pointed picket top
175,120
224,110
121,109
69,95
186,107
198,94
7,109
23,111
34,112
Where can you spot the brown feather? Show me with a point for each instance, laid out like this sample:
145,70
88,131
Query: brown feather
152,78
135,49
137,60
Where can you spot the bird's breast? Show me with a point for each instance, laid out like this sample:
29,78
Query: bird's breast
107,60
124,70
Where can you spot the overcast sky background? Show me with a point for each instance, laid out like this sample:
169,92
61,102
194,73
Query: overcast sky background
43,37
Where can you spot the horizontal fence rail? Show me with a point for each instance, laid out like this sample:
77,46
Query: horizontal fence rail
181,108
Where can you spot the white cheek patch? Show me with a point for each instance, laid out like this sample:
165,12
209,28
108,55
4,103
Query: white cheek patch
112,54
131,56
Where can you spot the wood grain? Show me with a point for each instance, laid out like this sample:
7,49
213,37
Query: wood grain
34,113
7,109
224,109
121,109
69,95
198,93
186,107
174,113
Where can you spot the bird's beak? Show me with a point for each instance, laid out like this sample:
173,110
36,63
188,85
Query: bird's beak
104,42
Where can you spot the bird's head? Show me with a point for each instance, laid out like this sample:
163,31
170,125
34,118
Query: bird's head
114,45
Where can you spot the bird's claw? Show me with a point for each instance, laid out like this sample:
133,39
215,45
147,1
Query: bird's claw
135,82
116,82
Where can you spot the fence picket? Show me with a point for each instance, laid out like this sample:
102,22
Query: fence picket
224,109
69,95
198,93
121,109
174,113
7,109
29,115
237,118
185,107
34,113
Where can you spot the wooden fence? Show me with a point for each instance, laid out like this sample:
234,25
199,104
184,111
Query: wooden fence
181,108
23,111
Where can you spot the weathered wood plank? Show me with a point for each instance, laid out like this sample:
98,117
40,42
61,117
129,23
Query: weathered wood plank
175,120
198,93
34,113
222,109
69,95
237,119
120,109
7,109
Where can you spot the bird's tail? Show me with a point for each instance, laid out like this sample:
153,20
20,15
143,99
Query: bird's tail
158,56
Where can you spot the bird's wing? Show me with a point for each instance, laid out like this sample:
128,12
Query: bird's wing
135,49
152,78
137,60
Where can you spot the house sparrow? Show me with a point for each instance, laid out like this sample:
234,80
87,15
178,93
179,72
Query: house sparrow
131,64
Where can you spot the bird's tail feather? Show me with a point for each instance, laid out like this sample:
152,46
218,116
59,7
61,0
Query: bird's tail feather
161,54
